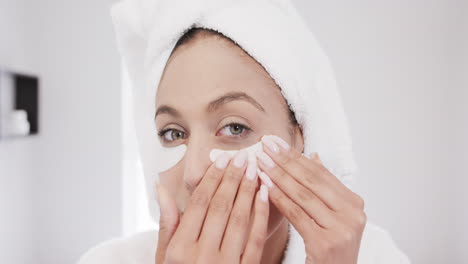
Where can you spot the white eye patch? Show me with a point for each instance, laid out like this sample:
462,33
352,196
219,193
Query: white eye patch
251,150
251,157
169,157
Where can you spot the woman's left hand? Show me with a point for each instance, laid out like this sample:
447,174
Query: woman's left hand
329,216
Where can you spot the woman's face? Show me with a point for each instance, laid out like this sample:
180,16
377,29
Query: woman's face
218,97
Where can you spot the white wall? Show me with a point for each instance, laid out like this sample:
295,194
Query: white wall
395,64
459,142
79,185
16,156
61,191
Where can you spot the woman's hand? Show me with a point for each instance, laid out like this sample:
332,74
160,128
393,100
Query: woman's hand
329,217
215,225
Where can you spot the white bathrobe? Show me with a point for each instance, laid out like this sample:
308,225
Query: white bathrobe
276,36
377,247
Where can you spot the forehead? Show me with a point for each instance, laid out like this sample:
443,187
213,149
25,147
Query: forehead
211,66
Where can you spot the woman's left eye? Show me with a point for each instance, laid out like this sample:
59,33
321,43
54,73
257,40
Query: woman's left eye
235,129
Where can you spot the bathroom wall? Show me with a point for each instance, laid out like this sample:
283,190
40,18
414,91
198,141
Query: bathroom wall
459,140
397,63
16,156
61,190
78,184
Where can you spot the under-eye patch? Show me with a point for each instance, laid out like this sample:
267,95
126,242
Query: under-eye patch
169,157
251,150
251,157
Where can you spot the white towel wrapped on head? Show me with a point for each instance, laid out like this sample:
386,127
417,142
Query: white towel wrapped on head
272,32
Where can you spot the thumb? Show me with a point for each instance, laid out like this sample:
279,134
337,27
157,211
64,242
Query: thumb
168,221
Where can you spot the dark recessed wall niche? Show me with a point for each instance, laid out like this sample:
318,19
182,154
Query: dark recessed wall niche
19,104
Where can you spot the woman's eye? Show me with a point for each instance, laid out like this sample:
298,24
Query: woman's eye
235,129
169,135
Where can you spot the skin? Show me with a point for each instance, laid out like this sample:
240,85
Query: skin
211,68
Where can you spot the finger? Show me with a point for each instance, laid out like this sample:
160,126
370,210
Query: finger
352,200
238,223
168,221
258,234
195,212
315,165
305,225
298,193
222,202
289,161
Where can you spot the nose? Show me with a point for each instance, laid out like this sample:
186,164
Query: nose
196,162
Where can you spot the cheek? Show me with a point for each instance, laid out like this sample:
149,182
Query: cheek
174,183
169,168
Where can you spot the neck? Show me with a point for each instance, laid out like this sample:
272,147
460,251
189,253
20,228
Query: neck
275,246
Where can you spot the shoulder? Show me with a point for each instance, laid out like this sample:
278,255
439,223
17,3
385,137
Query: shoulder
377,246
137,248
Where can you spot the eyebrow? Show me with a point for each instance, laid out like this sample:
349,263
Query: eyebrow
215,104
232,96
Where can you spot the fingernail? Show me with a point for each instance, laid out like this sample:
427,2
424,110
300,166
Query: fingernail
280,141
251,171
267,161
222,160
240,158
266,179
264,193
271,145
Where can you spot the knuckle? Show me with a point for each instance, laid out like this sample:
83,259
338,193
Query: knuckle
274,195
326,247
212,175
285,160
261,212
313,179
258,241
347,237
361,219
294,213
232,174
163,226
199,199
174,255
220,205
359,202
305,195
239,219
247,187
295,155
205,257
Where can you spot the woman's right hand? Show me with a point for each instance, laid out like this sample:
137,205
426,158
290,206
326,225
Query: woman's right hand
215,225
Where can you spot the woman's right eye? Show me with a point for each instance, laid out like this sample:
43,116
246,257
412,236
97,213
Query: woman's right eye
170,135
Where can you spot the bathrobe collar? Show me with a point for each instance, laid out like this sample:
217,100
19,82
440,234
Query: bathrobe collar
295,249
